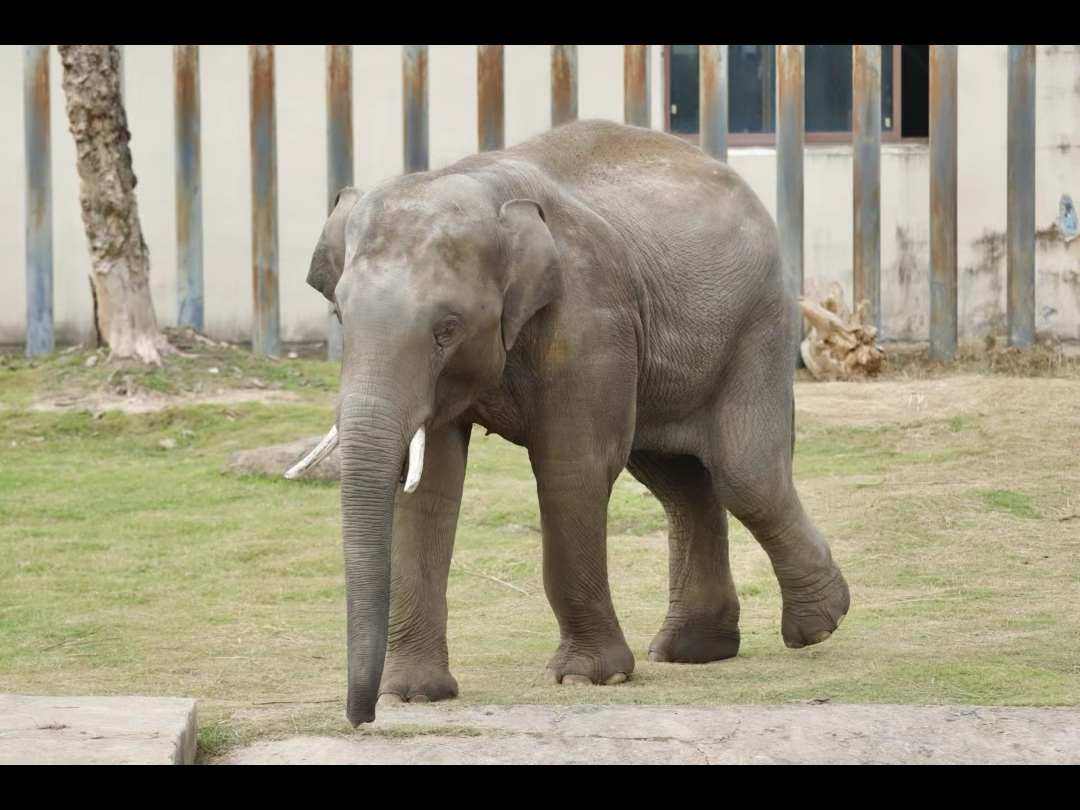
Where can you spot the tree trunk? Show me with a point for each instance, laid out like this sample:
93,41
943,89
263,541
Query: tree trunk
124,318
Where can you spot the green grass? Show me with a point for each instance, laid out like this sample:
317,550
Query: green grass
130,564
1013,503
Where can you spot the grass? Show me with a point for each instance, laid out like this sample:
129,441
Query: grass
129,564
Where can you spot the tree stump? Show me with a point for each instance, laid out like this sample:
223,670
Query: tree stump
124,318
840,345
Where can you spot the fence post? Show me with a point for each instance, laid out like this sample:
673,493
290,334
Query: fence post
563,84
1021,196
189,235
39,243
636,85
789,175
866,125
414,66
339,155
713,99
943,309
489,93
265,332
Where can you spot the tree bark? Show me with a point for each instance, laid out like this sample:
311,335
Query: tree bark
124,316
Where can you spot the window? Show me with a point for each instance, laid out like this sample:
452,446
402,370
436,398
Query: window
827,92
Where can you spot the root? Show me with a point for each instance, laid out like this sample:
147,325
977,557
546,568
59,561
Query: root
840,346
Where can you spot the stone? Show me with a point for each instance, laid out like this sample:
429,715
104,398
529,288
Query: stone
91,730
275,459
826,734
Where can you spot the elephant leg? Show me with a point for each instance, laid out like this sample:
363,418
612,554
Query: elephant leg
751,466
702,622
417,666
574,476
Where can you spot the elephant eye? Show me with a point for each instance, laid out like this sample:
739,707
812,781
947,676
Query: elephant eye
446,329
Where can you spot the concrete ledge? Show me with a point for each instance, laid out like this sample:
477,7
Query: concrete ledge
744,735
81,730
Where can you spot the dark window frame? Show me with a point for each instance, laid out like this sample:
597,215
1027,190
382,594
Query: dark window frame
736,139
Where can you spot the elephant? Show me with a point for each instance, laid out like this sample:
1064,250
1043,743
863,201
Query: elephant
607,297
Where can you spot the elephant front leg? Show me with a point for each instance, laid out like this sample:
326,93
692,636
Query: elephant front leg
574,483
417,666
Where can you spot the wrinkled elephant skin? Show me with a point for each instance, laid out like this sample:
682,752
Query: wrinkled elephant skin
607,297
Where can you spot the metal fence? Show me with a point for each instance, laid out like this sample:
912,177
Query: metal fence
866,192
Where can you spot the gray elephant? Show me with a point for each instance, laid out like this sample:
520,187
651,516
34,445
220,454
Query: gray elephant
607,297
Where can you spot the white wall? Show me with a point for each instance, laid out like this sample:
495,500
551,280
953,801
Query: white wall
301,100
1057,172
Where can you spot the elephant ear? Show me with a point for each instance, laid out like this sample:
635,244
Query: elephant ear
328,260
534,278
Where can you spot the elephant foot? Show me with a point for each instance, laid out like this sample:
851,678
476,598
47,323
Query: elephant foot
417,686
814,607
586,665
696,640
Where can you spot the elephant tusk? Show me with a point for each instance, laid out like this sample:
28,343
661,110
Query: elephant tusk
321,451
416,461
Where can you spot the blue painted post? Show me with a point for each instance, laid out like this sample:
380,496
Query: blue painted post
1021,196
713,99
789,175
866,109
563,84
339,149
265,332
943,309
39,247
189,235
415,100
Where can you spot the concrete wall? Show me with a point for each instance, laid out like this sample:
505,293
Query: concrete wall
452,104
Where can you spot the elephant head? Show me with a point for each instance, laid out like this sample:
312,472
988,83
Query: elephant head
432,280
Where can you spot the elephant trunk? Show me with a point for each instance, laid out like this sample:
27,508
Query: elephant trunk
374,438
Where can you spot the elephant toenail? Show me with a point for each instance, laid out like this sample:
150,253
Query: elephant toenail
576,680
842,615
618,677
421,698
390,698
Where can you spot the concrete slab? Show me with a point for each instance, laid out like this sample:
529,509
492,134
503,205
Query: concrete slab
79,730
642,735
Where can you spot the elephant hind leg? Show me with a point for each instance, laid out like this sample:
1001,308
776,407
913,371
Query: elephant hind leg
702,622
751,464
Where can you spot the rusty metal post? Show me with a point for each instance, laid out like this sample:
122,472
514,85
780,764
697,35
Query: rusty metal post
414,66
489,91
563,84
189,233
1021,196
339,155
866,125
636,85
789,165
713,99
943,308
39,241
265,331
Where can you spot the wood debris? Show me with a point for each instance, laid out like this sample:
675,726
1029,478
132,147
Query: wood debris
840,344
